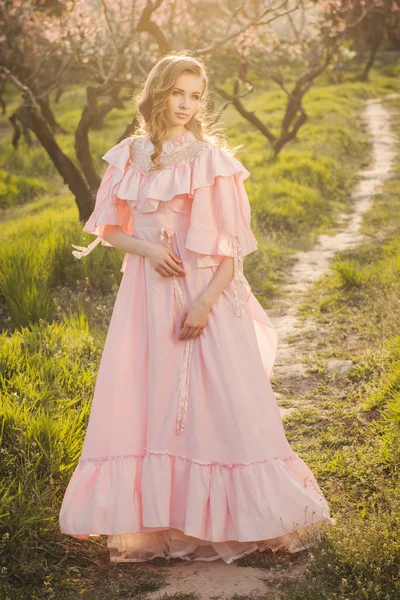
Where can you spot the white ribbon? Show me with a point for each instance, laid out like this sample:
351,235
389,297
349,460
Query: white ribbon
85,250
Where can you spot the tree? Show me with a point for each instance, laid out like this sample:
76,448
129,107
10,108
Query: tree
382,23
111,43
291,50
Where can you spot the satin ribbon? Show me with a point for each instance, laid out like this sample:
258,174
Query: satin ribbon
184,378
85,250
238,277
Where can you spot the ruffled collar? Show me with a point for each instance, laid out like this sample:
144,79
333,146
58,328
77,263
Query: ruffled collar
169,146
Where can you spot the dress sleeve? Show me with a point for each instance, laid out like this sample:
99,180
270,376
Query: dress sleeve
109,209
221,214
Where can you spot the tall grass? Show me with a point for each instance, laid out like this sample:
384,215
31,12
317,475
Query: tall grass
36,258
47,379
18,189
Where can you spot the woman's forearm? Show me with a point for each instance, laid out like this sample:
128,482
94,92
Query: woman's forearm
218,284
125,242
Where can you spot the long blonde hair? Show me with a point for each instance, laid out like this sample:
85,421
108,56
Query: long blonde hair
151,102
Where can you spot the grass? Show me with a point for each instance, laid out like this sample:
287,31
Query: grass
17,189
55,312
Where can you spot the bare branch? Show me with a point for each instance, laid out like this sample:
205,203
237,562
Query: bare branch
255,22
57,80
26,91
146,24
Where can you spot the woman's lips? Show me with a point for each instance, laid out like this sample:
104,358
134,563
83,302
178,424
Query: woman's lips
182,115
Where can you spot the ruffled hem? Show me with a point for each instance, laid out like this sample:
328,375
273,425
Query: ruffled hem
212,501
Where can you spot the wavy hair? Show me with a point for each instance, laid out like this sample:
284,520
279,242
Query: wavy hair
152,100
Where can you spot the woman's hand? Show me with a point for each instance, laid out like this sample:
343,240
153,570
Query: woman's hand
164,261
194,319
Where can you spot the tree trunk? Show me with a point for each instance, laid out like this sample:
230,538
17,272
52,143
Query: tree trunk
31,118
92,115
364,75
59,93
290,134
129,129
49,116
20,131
248,115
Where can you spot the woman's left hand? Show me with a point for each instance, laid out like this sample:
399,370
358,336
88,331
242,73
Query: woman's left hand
194,320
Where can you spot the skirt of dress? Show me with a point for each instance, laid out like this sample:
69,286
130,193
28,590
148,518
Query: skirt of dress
185,453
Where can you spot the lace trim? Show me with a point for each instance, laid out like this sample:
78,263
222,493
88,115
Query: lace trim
168,146
238,290
142,161
192,460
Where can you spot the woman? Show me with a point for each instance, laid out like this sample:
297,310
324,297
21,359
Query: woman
185,453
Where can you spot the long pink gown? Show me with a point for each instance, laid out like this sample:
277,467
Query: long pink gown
185,453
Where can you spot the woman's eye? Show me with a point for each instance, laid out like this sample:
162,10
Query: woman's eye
177,92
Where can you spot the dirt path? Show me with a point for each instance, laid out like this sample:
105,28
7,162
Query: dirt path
313,265
217,579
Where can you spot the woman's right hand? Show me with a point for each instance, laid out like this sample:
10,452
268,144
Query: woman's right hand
164,261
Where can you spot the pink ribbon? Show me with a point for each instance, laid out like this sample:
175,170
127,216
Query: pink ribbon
238,277
184,378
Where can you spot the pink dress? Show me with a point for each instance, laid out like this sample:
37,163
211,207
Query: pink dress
185,453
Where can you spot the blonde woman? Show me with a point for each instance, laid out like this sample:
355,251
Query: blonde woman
185,454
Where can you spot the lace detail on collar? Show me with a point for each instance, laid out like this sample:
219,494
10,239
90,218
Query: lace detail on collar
169,146
182,150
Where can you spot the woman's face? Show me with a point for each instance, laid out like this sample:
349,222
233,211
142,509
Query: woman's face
184,99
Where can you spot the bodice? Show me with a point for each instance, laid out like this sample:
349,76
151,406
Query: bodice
174,213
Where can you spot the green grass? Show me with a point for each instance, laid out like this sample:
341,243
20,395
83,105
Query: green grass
39,276
47,378
17,189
